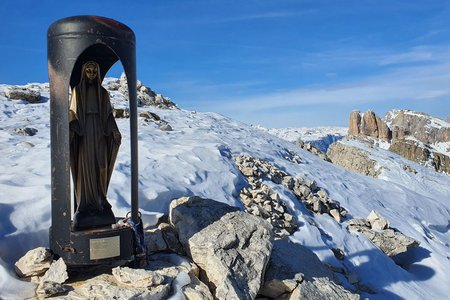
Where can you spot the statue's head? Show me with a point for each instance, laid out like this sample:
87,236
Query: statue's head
90,70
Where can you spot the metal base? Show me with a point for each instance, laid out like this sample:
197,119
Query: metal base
96,246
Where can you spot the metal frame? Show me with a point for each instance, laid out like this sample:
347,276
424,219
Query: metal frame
71,42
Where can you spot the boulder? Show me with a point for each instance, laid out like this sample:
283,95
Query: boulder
288,265
232,248
322,288
376,221
29,131
22,93
196,290
56,273
165,127
35,262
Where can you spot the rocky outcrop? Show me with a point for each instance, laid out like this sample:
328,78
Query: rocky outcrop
23,93
145,95
368,124
322,288
421,126
231,249
421,154
377,229
310,148
352,158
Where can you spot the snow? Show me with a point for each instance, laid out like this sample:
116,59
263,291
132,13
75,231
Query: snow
196,158
320,137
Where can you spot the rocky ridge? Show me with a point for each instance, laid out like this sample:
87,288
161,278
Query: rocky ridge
415,136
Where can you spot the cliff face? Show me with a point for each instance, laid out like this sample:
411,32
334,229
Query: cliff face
410,134
368,124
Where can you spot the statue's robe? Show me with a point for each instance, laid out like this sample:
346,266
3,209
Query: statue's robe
93,152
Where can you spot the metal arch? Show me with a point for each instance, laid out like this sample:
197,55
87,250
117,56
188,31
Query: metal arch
70,41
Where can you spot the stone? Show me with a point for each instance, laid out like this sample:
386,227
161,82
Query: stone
322,288
232,247
149,116
384,133
165,127
288,265
171,238
121,113
196,290
35,262
56,273
29,131
170,265
335,214
322,194
49,289
106,287
155,241
376,221
23,93
136,277
288,182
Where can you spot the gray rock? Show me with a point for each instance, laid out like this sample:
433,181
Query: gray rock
231,248
49,289
26,131
137,277
170,265
22,93
165,127
105,287
56,273
322,288
288,265
34,262
196,290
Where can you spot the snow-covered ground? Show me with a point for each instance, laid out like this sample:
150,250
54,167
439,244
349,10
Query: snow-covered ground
196,158
319,137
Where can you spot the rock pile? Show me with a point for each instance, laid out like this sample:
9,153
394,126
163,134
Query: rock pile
377,229
262,201
23,93
310,148
149,116
145,95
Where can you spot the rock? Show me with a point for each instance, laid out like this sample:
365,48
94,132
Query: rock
232,248
369,124
105,287
150,116
121,113
26,131
171,238
352,158
376,221
165,127
322,288
196,290
34,262
338,253
22,93
354,123
288,265
441,162
56,273
170,265
335,214
49,289
155,241
384,133
137,277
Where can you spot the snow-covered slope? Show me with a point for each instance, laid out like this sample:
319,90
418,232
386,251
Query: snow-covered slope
196,158
319,137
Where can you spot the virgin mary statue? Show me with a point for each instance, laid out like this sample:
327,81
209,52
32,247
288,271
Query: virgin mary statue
94,143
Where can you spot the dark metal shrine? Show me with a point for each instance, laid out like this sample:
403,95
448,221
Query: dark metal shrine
72,42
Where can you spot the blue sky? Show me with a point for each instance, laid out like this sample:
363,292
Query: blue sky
278,63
